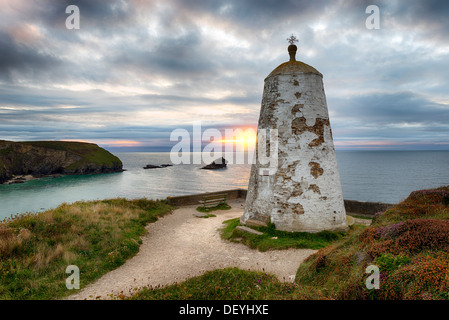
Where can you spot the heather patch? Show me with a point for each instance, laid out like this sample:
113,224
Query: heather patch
409,243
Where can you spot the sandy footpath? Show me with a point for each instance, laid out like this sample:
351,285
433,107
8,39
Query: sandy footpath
180,246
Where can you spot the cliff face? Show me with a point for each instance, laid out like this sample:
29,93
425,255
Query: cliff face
40,158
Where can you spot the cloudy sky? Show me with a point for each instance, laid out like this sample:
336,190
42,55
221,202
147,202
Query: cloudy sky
136,70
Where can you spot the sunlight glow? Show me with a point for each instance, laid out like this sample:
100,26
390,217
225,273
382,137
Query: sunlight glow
246,139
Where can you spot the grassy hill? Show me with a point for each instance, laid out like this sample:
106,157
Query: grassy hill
410,245
89,152
41,158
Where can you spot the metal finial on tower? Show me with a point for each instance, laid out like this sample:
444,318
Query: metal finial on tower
292,39
292,48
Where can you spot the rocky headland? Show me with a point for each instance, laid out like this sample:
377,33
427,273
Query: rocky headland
44,158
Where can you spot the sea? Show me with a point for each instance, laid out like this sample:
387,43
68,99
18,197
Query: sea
375,176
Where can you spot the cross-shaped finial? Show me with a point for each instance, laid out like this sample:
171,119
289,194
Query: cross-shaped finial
292,39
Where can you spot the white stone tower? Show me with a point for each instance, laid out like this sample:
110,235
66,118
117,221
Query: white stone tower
303,193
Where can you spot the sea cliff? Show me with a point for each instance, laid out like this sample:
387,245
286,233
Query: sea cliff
42,158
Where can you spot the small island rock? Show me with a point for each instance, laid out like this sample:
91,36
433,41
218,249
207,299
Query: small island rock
217,164
153,166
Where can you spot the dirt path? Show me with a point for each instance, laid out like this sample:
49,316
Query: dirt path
180,246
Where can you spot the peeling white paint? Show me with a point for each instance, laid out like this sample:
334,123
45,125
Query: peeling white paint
304,193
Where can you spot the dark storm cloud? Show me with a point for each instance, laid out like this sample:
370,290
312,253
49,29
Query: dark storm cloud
430,17
23,59
172,56
255,11
171,99
394,108
266,14
402,116
177,55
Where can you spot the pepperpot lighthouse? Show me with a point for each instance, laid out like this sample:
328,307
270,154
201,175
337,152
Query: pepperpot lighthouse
303,192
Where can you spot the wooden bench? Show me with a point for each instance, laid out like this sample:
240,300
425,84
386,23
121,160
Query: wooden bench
213,200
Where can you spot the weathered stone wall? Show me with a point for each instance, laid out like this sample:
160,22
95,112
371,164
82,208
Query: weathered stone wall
194,199
366,208
304,193
351,206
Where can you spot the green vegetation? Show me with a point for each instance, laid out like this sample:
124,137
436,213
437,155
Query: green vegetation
208,216
275,239
221,206
96,236
229,284
6,150
90,153
41,158
358,216
408,243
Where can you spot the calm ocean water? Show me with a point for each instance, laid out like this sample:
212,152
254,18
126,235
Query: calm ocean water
383,176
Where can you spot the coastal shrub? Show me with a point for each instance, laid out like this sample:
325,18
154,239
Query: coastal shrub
335,269
430,196
408,242
421,204
406,237
425,277
320,262
377,216
388,262
445,200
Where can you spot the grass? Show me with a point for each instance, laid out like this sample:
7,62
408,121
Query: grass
208,216
333,270
221,206
229,284
361,216
96,236
275,239
90,153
